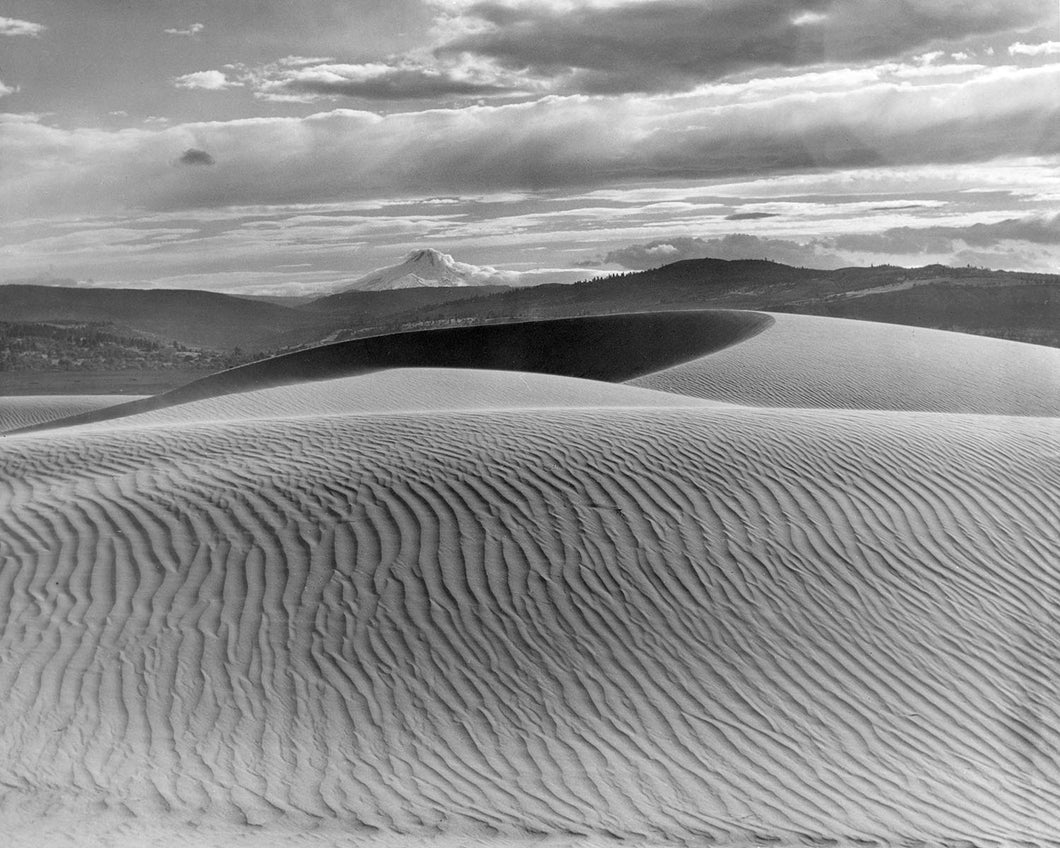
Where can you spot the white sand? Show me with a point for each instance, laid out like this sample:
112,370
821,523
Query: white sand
806,361
25,411
300,617
409,390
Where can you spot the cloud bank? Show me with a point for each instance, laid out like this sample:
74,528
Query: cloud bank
761,127
660,45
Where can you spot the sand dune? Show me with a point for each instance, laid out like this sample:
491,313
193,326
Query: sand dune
450,607
26,411
411,390
806,361
656,625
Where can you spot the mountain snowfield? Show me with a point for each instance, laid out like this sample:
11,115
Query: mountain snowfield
738,602
428,267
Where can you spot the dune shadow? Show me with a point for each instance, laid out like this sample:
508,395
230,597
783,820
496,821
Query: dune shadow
611,348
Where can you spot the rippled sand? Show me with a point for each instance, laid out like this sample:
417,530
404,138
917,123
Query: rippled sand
29,410
527,611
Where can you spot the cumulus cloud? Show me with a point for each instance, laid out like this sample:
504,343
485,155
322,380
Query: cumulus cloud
373,81
640,257
194,156
1048,48
207,80
13,27
190,32
650,45
6,89
304,79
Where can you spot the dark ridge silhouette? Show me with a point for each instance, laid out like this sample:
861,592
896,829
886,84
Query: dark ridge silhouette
612,348
200,318
387,302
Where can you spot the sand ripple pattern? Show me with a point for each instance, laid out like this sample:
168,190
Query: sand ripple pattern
25,411
668,625
813,362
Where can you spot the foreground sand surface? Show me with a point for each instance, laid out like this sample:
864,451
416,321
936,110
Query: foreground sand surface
531,621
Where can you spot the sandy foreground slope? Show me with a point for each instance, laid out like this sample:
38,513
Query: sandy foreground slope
614,622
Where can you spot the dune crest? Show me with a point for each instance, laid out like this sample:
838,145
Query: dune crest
657,625
610,348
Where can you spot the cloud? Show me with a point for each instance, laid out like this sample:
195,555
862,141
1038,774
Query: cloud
640,257
376,81
304,79
207,80
551,143
6,89
658,45
487,48
13,27
192,31
1048,48
194,156
750,216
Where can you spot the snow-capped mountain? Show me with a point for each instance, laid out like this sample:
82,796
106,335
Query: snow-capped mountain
429,268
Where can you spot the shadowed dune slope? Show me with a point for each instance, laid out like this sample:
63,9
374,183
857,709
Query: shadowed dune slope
411,390
27,410
611,348
807,361
659,625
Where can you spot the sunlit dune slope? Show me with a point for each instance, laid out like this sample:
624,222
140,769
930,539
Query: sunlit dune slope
660,625
610,348
412,390
807,361
25,411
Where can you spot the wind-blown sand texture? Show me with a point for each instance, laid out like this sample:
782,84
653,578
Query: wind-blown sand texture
28,410
409,390
807,361
566,625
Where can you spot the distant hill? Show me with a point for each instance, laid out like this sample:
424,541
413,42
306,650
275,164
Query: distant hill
198,318
383,303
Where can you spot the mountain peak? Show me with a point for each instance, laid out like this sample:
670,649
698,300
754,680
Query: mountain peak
428,256
427,267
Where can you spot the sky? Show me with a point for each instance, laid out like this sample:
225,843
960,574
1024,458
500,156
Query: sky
292,146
